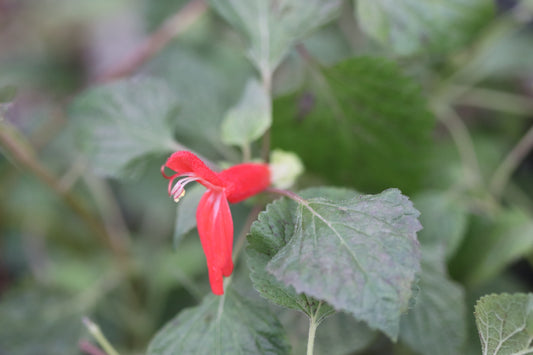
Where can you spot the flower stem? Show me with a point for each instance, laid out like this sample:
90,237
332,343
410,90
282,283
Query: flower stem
246,152
287,193
95,331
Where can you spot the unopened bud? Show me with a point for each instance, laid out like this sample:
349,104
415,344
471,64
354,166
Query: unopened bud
285,168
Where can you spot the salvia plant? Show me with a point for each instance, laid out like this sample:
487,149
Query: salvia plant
266,177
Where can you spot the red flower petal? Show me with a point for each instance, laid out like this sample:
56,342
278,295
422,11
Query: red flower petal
245,180
186,162
215,227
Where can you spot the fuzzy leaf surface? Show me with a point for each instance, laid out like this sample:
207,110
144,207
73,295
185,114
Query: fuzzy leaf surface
505,323
358,253
229,324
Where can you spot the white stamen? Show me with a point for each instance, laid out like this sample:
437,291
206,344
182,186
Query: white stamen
178,190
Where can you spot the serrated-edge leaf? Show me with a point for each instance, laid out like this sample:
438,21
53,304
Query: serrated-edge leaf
259,252
371,278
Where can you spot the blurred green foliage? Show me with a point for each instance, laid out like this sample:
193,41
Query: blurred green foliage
439,109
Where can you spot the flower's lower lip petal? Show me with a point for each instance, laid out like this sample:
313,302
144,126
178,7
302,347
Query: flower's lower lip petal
216,280
215,227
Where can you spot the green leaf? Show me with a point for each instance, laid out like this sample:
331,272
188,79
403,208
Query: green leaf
268,235
207,85
493,244
411,26
379,119
344,249
437,321
229,324
186,212
122,122
40,320
249,118
444,218
271,27
505,323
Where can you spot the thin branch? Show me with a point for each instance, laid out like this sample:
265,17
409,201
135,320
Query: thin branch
463,141
25,158
110,212
90,349
492,99
95,331
172,27
511,162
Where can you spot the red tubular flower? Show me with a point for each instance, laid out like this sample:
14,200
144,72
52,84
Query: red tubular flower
213,216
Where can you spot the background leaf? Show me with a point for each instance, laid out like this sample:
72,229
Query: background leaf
207,84
379,120
347,251
437,321
505,323
410,26
491,245
229,324
186,212
40,320
119,123
249,118
444,217
271,27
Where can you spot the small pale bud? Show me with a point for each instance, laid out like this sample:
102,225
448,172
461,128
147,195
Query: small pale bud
285,168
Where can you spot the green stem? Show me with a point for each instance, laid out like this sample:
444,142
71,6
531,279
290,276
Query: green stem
95,331
510,163
492,99
313,324
465,146
172,27
25,157
246,152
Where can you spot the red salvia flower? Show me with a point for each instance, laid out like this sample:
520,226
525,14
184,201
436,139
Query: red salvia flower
213,216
